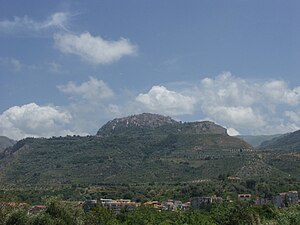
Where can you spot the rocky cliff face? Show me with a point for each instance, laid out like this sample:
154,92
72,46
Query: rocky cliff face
159,123
140,121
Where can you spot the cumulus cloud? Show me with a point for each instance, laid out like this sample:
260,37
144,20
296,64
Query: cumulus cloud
279,92
91,90
94,49
92,103
32,120
293,116
227,90
57,20
247,105
160,100
237,116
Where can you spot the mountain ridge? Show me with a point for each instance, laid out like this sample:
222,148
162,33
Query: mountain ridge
162,124
289,141
161,149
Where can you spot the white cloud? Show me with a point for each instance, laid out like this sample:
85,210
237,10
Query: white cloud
276,127
227,90
19,24
54,67
232,132
249,106
35,121
16,65
279,92
92,90
92,49
293,116
92,103
237,116
160,100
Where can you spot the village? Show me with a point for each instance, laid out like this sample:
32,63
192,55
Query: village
280,200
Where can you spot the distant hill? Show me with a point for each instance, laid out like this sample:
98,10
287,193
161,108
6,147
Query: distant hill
139,148
5,142
257,140
290,142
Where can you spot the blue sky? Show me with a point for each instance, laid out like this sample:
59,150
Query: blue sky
66,67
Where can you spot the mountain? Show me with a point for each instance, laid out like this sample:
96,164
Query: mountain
5,142
290,142
140,148
135,124
257,140
147,123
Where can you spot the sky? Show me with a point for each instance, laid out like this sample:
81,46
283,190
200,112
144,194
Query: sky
67,67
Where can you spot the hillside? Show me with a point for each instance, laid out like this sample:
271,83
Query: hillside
289,142
257,140
140,148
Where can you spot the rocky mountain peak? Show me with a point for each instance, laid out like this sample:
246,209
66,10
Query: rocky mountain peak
144,120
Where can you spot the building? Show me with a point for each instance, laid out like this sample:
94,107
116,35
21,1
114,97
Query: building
234,179
153,204
119,204
244,197
169,205
262,201
88,204
203,202
286,198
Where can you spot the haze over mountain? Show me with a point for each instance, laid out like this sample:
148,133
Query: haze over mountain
5,142
257,140
290,142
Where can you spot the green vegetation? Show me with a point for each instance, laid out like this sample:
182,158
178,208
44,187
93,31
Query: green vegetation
287,142
63,213
135,152
121,159
148,158
257,140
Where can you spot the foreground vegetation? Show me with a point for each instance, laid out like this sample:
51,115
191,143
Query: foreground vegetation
183,191
62,213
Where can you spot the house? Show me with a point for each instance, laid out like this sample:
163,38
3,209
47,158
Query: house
244,197
119,204
154,204
262,201
234,179
286,198
186,206
202,202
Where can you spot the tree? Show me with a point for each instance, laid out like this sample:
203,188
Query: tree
100,216
17,217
